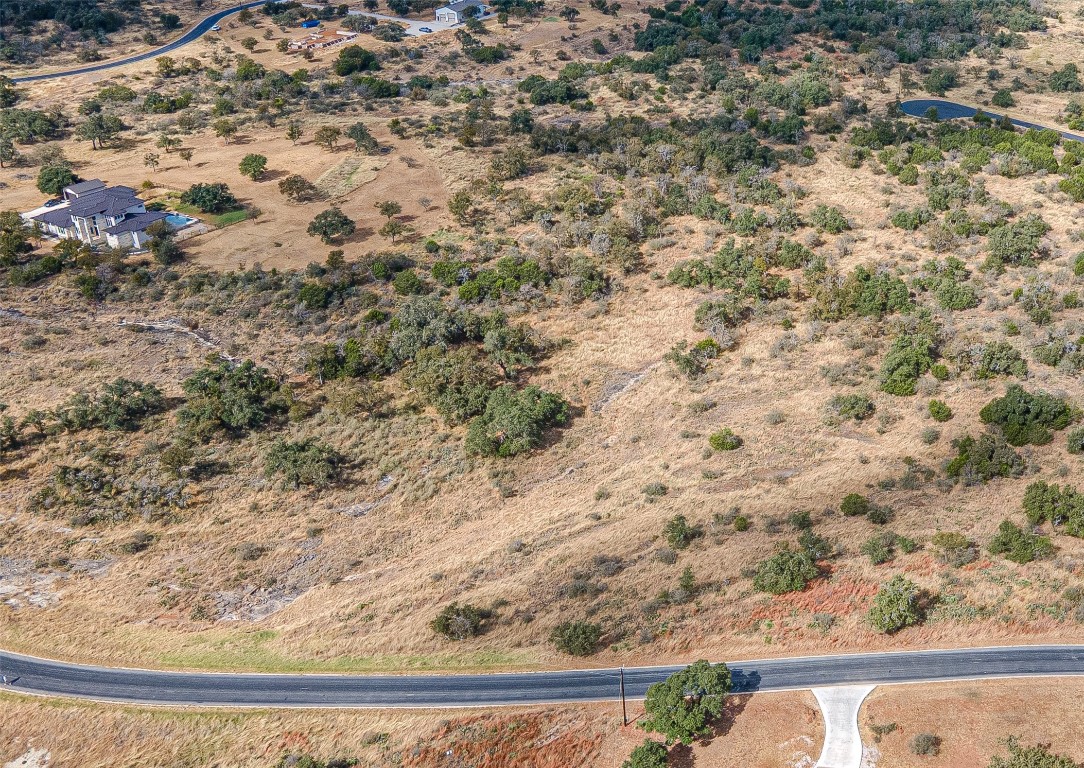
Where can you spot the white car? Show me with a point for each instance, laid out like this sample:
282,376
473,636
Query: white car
216,28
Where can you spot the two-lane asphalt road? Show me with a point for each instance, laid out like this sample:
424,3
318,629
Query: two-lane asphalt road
196,32
38,676
954,110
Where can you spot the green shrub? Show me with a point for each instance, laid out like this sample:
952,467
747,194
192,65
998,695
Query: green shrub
940,79
954,548
457,383
910,356
786,571
857,407
1003,98
879,515
879,549
577,638
1038,756
1061,506
980,460
650,754
655,490
122,404
828,219
231,397
1075,441
1026,418
724,440
896,606
927,743
854,505
458,622
1066,80
1015,243
911,219
679,534
407,283
1019,545
514,421
940,372
315,295
939,411
210,198
303,463
1000,358
741,523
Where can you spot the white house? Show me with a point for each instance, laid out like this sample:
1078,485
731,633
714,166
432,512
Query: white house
457,13
93,213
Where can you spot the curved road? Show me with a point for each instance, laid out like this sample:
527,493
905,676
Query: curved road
952,110
196,32
39,676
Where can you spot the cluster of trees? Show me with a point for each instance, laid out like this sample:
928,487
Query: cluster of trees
120,405
456,357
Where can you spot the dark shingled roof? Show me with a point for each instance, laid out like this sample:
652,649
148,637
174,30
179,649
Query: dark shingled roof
111,201
136,222
58,217
83,187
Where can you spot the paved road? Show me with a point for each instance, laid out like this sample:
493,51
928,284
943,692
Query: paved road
196,32
951,110
39,676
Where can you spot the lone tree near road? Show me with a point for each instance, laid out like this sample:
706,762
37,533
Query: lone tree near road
331,224
253,166
895,606
683,706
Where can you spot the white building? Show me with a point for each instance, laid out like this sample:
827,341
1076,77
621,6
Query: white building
94,213
456,13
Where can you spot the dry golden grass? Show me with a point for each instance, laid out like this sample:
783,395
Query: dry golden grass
781,730
973,719
352,578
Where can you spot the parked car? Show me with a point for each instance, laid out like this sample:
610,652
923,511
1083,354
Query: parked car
216,28
425,30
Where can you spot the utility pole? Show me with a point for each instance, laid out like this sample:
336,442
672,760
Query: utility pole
624,712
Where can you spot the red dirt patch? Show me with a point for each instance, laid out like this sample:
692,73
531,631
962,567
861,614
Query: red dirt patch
510,741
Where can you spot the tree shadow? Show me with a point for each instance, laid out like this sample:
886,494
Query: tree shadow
274,175
681,756
241,139
732,709
359,235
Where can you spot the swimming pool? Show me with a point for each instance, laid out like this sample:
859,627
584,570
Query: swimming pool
178,220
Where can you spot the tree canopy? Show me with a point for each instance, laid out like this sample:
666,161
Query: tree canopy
683,706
